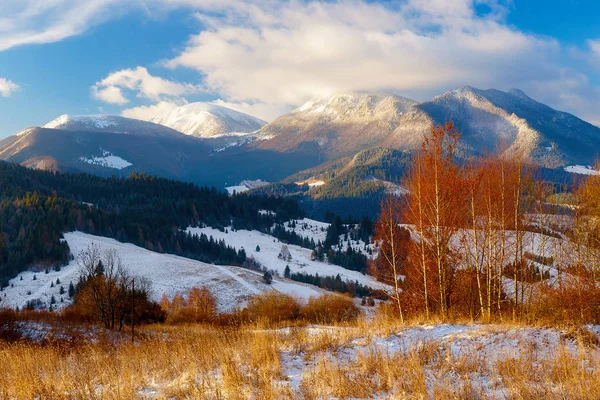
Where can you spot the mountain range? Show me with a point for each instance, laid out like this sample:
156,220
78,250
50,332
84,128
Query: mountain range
325,138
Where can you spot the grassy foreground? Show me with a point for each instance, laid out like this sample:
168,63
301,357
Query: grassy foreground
374,358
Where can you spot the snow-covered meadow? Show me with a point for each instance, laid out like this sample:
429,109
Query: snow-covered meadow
168,274
270,247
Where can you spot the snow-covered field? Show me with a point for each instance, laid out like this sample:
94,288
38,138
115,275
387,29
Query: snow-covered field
270,247
582,170
168,274
452,355
107,160
244,186
309,228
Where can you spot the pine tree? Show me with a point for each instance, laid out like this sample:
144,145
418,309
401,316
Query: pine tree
267,277
287,272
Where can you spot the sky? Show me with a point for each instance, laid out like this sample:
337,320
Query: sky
142,58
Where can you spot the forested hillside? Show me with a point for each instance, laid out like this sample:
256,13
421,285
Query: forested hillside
38,206
351,187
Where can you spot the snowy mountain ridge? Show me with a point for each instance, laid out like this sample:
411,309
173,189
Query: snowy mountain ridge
336,125
511,122
110,124
208,120
356,105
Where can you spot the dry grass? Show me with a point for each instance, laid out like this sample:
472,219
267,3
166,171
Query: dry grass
344,361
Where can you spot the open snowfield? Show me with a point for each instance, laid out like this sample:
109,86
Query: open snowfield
168,274
270,247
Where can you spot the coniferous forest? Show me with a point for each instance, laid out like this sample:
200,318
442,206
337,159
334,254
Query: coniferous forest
150,212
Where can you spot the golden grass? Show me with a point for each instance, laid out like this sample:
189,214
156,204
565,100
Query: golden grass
254,362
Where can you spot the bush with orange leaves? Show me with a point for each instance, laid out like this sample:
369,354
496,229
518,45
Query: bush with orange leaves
273,307
329,309
199,306
577,301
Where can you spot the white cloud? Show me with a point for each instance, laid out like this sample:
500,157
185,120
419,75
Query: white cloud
267,112
570,91
140,81
110,94
148,113
294,50
24,22
264,55
7,87
595,46
46,21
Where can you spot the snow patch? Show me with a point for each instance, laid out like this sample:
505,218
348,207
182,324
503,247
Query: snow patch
582,170
244,186
107,160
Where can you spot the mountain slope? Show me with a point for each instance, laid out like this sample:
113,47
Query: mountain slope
112,124
208,120
349,186
490,120
337,125
178,157
168,274
102,153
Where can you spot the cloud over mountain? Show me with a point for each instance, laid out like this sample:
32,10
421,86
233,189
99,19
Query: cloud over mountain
7,87
268,55
286,52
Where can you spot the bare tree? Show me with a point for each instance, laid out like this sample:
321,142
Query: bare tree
392,253
105,291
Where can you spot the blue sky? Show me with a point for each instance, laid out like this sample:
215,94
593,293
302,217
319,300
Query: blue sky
266,57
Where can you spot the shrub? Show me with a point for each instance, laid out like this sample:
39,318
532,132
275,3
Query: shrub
273,306
199,306
9,329
329,309
571,302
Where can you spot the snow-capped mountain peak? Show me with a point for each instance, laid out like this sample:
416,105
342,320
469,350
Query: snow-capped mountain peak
208,120
110,123
356,105
93,121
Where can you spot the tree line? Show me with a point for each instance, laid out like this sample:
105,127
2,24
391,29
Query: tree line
480,239
38,206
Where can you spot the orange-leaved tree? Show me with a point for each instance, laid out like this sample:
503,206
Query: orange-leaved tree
436,208
393,239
